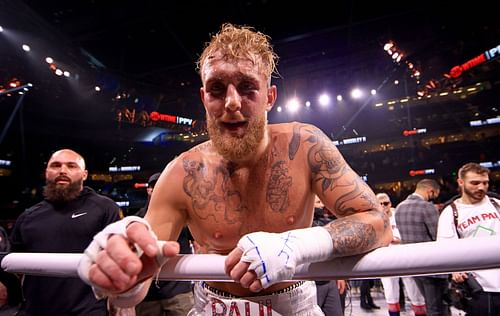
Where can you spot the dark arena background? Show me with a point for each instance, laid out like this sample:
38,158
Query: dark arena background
116,81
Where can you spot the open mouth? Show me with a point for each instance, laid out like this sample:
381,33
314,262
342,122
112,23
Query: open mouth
234,126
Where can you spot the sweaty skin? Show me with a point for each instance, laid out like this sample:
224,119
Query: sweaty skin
221,201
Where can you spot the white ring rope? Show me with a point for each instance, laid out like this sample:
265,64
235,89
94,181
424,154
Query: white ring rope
442,256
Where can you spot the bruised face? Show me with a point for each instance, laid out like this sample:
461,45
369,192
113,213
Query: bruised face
236,96
64,176
474,186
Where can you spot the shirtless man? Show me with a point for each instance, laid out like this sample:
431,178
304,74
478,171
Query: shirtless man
247,193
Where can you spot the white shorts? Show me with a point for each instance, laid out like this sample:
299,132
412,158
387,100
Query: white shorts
297,300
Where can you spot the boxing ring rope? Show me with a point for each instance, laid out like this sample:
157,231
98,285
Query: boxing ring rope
435,257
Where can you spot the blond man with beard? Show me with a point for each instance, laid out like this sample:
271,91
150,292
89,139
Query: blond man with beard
473,215
64,222
247,193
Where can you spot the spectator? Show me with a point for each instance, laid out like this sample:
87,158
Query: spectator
328,292
65,221
417,219
392,288
4,240
474,214
10,284
365,295
167,298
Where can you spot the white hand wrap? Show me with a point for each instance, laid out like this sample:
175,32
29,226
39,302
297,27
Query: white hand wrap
274,256
100,242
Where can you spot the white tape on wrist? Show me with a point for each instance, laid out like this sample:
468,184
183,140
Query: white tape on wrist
274,256
99,243
313,244
128,299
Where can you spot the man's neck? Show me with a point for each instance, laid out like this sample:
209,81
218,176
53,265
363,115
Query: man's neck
465,199
421,195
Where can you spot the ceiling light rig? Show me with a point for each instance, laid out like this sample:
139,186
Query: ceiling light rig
144,104
398,57
14,85
454,77
55,69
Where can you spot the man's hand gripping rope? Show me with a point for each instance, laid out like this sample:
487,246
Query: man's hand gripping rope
120,258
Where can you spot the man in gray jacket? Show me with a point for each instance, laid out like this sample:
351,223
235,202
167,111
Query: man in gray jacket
417,219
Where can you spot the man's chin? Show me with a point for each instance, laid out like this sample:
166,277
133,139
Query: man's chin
480,196
234,134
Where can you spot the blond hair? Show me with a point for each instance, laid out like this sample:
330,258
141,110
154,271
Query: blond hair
474,168
236,42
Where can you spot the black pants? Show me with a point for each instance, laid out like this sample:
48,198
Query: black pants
329,298
484,304
434,290
365,296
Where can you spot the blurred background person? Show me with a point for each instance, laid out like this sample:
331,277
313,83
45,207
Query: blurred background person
167,298
417,221
474,214
365,295
392,289
330,293
4,240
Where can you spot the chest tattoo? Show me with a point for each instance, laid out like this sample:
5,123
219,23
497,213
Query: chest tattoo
211,194
278,187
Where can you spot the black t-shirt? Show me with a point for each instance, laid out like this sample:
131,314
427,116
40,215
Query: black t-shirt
62,228
166,289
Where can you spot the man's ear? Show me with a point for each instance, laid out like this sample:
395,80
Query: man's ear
272,94
202,96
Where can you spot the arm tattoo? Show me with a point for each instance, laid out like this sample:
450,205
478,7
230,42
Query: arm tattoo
356,190
278,186
351,237
294,145
325,161
328,167
210,194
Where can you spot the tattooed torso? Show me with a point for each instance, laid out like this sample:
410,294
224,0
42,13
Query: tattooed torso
275,194
227,201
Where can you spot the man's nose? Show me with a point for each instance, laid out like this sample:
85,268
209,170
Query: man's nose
233,99
63,169
483,186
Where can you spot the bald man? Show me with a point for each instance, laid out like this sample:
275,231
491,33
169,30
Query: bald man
64,222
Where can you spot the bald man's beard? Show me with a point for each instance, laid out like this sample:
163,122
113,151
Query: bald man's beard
62,193
234,148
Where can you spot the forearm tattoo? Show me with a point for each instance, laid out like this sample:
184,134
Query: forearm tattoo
351,237
210,193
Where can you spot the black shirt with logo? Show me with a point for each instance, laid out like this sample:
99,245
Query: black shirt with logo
62,228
